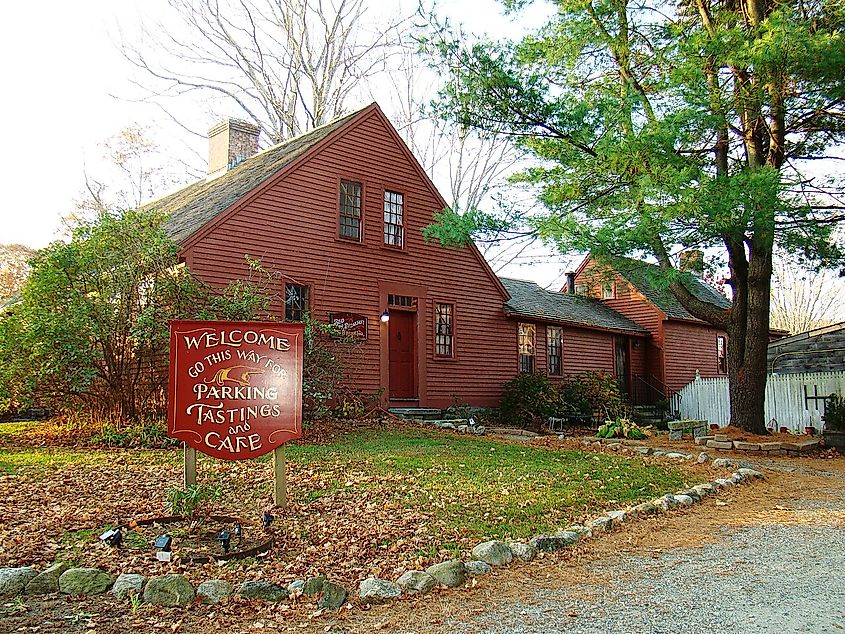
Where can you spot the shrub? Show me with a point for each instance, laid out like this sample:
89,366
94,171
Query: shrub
193,503
528,400
834,413
621,428
592,392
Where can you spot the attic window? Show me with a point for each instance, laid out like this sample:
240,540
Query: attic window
581,289
607,291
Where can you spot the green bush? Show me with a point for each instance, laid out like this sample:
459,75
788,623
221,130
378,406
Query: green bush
834,413
592,392
621,428
193,503
528,400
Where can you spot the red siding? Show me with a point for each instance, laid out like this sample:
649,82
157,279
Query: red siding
292,228
689,347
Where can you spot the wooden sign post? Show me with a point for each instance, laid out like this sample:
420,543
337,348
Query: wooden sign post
235,391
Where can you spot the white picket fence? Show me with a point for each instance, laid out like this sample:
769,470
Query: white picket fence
792,400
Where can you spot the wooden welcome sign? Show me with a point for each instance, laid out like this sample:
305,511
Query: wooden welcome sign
235,389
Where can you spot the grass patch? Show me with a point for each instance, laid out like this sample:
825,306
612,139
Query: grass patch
485,488
42,461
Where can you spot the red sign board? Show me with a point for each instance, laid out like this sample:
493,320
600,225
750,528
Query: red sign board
235,387
351,324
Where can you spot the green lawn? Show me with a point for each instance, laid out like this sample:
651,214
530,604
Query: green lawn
467,487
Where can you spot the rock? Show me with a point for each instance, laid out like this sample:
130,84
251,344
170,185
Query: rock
670,499
47,581
169,591
334,595
614,446
313,585
449,573
495,553
662,504
463,428
601,523
617,517
703,490
128,584
736,478
525,552
13,581
676,434
296,586
677,455
770,446
548,543
703,457
646,451
378,590
684,500
264,590
214,590
728,463
746,446
476,568
582,531
479,430
646,508
702,440
690,493
751,473
724,483
721,438
84,581
416,582
446,426
716,444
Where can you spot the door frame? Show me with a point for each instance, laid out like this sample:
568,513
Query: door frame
422,311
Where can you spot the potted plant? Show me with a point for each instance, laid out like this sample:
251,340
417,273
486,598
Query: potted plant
834,422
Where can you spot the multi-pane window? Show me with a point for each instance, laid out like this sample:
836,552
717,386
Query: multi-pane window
350,210
722,354
554,346
402,301
296,302
607,290
394,218
444,330
526,339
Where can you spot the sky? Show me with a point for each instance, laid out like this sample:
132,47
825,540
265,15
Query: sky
68,90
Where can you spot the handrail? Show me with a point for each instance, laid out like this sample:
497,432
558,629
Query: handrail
655,390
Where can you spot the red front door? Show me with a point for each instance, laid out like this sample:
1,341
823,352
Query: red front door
402,355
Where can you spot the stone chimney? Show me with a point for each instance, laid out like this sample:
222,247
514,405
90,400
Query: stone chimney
229,143
570,282
692,261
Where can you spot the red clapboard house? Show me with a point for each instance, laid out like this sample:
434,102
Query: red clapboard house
679,345
337,215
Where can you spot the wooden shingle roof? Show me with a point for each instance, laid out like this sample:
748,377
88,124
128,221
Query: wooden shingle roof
529,301
192,207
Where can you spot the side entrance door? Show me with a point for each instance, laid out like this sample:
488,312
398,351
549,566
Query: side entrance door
402,351
622,364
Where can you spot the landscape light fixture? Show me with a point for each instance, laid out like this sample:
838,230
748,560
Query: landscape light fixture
164,542
238,531
225,539
267,519
385,317
112,537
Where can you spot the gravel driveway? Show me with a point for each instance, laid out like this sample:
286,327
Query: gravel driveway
772,577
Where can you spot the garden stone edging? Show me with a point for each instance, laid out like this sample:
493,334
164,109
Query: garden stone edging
175,590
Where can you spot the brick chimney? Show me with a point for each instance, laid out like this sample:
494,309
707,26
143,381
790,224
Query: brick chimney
692,261
229,143
570,282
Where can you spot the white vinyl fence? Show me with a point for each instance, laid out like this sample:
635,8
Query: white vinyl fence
795,401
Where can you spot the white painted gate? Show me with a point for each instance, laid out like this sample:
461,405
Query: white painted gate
792,400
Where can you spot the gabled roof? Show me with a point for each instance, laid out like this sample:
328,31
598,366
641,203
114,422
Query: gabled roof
530,301
192,207
809,334
645,277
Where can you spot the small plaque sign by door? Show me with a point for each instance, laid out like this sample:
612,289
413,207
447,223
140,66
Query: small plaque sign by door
350,324
235,389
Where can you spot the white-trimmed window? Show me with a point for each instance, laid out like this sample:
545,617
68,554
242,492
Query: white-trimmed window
527,336
607,290
394,218
554,348
296,302
444,330
722,354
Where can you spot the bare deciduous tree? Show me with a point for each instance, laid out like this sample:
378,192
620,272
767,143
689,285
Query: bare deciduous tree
288,65
802,299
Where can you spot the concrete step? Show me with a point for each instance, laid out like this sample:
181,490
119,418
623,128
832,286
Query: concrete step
416,413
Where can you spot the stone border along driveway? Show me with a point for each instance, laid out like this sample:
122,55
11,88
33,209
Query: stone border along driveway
176,591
